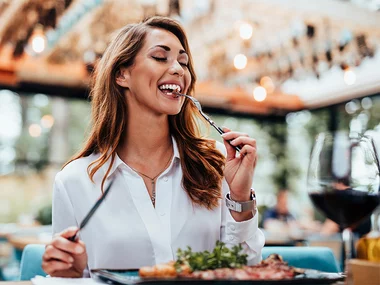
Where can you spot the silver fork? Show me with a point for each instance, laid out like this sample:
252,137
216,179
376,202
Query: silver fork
211,122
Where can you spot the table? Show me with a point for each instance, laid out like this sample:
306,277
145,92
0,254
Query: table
30,283
17,283
23,237
19,242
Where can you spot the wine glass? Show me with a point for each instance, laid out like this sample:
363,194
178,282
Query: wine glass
343,180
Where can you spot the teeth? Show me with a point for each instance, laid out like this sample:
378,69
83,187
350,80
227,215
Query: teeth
173,87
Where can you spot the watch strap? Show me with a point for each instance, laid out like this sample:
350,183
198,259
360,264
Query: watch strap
241,206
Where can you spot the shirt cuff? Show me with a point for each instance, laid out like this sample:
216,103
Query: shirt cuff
238,232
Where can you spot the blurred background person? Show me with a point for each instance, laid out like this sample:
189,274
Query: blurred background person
278,216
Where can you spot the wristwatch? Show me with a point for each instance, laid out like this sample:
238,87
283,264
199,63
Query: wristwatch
242,206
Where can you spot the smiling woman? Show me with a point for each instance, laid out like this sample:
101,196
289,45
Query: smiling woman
156,67
168,181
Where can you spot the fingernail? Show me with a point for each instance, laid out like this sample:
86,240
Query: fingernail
72,228
78,249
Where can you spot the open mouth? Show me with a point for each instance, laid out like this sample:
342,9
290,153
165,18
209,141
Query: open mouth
168,89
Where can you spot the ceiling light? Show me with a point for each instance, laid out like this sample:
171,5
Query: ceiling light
349,76
240,61
38,40
246,31
259,93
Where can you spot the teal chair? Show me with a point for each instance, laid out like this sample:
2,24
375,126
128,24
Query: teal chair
31,261
319,258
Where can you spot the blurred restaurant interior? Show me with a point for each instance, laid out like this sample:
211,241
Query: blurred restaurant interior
281,71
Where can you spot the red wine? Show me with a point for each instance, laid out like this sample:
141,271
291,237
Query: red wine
345,207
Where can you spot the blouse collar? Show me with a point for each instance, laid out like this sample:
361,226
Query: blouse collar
118,162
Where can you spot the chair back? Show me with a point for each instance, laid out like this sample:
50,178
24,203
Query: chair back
31,261
318,258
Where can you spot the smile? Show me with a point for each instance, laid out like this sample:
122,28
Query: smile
169,88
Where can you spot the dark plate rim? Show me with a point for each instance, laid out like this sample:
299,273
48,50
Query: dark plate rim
111,275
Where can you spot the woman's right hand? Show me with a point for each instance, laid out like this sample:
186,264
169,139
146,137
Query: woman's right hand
64,258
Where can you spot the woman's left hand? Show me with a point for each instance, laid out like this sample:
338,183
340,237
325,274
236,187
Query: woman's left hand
239,168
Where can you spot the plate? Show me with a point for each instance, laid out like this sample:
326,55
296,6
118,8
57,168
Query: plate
131,277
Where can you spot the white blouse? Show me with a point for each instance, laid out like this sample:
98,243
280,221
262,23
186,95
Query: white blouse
128,232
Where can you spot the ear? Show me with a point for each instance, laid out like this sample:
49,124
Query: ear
122,77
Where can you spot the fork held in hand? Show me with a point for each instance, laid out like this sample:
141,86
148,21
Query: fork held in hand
211,122
92,211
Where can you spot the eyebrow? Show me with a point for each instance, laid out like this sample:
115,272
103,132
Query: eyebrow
181,51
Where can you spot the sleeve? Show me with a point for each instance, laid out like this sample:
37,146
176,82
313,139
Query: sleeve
245,233
63,211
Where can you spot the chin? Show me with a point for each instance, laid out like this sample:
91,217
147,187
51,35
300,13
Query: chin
174,112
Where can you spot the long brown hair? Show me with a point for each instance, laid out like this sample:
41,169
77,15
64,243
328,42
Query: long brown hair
201,162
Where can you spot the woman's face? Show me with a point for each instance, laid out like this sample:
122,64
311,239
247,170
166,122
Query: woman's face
161,64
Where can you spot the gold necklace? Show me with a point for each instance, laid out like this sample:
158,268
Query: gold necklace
153,179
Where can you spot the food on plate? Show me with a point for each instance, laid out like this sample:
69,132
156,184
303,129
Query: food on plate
158,271
221,263
272,268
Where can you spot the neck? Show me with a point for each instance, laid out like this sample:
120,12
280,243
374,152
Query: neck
147,138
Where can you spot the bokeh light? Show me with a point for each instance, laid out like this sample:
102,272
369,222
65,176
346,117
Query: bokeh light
47,121
35,130
349,76
267,83
246,31
259,93
38,43
240,61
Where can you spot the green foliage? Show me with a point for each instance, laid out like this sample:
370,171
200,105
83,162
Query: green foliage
44,215
220,257
277,141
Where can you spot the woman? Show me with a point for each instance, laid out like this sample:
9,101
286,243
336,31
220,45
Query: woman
168,183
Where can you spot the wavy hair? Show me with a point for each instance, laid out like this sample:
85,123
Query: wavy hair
201,162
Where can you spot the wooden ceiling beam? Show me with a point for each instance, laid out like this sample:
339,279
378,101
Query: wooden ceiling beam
10,13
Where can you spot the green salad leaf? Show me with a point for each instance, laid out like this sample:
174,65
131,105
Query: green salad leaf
220,257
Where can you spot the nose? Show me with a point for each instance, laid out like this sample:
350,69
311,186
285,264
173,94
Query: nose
176,69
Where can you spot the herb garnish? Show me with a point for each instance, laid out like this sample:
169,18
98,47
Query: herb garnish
220,257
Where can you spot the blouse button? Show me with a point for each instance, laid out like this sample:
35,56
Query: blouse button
231,238
162,213
166,179
232,228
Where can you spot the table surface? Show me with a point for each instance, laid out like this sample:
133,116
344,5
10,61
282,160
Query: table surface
17,283
30,283
20,242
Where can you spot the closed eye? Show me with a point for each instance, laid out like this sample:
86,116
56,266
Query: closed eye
164,59
159,58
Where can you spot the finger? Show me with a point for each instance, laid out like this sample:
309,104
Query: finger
82,244
249,152
241,141
231,151
69,232
64,244
52,266
53,253
230,135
